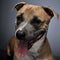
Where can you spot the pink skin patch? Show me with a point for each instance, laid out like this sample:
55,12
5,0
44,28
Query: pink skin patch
22,50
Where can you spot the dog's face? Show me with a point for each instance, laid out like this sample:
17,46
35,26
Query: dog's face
32,21
31,18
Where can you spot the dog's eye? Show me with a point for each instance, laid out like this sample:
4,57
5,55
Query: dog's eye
36,21
20,19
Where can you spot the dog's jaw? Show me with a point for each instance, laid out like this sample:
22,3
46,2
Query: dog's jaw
33,51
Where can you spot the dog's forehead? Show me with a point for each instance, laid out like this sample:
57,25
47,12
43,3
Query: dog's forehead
32,10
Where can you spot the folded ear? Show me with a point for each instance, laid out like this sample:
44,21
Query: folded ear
20,5
50,12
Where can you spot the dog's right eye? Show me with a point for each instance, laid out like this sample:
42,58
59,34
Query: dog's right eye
20,19
36,21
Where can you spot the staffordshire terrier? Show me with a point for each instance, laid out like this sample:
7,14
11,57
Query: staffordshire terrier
30,40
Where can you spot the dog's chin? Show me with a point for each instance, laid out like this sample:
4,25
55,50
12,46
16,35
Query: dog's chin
25,45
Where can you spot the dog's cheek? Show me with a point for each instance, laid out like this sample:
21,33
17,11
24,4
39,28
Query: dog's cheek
44,26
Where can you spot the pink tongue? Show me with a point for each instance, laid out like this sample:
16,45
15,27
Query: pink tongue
22,50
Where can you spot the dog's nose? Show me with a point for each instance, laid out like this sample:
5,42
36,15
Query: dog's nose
20,35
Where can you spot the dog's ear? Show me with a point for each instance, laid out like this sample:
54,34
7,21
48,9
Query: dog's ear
50,12
20,5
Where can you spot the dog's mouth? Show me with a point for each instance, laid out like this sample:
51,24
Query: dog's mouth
22,49
24,46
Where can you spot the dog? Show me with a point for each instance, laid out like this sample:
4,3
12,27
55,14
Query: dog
30,40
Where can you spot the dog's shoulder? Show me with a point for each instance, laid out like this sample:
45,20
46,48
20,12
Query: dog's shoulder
10,45
12,40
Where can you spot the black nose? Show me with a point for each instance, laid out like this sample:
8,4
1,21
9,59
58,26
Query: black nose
20,35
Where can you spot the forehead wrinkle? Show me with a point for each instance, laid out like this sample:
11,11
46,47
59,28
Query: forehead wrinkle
31,10
42,14
27,6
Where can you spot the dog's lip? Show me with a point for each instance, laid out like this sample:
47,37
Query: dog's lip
35,35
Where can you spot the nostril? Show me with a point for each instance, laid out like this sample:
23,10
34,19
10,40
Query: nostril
20,34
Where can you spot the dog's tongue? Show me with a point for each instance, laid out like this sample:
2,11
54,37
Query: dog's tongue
22,50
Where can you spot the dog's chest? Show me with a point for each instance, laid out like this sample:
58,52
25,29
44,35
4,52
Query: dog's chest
32,53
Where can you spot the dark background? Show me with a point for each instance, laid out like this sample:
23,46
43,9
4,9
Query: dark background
7,22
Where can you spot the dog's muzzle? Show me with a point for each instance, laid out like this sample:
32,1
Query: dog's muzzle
21,35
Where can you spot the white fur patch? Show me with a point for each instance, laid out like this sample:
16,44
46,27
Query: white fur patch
22,25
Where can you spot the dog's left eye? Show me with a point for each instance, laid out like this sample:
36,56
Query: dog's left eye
36,21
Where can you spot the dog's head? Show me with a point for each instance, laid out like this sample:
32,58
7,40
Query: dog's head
32,21
31,18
